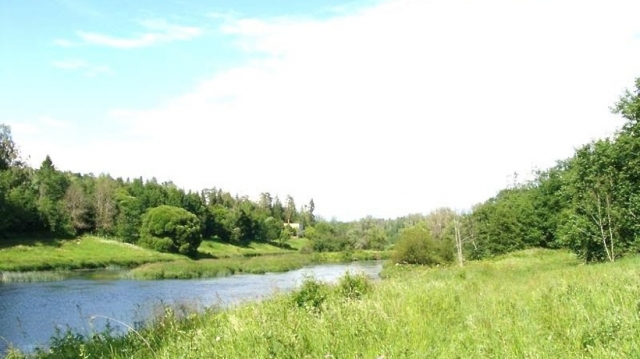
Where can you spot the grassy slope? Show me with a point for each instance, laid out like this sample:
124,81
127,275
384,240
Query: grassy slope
531,304
226,250
85,252
94,252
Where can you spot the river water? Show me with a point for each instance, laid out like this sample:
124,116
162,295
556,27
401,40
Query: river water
31,312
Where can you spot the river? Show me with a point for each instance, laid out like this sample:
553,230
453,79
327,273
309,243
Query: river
31,312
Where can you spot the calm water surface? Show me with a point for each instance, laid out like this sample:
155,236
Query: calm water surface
31,312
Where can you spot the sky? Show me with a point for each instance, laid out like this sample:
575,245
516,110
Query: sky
380,108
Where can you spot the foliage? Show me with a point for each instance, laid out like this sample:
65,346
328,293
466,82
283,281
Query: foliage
171,229
506,223
603,180
9,155
329,237
311,295
416,246
354,286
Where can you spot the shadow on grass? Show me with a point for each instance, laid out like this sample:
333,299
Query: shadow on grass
31,240
205,255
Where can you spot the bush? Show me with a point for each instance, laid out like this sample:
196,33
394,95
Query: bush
416,246
354,286
311,295
171,229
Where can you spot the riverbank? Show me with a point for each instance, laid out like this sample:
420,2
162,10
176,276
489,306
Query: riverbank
46,260
211,268
534,303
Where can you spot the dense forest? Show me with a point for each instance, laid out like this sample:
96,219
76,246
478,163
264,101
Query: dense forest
588,203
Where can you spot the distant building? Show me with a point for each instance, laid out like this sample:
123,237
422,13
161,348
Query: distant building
298,227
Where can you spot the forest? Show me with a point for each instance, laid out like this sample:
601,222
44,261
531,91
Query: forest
587,203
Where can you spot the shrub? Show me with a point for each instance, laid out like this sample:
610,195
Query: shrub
171,229
311,295
416,246
354,286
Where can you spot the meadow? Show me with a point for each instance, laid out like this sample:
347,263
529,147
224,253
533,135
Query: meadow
528,304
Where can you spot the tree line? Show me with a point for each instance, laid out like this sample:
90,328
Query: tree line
47,201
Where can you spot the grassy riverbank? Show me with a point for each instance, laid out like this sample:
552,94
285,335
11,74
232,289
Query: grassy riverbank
45,260
531,304
86,252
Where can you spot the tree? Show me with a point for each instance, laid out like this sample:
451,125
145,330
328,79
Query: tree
273,229
629,106
52,186
416,246
464,232
223,222
266,202
592,225
129,216
290,213
171,229
77,206
8,150
505,223
278,209
105,204
603,183
439,223
311,218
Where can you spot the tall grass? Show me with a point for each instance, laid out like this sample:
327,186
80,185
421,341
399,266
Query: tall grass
211,268
28,277
532,304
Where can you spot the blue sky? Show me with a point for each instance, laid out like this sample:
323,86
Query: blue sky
377,108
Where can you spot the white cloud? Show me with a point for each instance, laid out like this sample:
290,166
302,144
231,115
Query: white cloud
90,70
160,31
399,108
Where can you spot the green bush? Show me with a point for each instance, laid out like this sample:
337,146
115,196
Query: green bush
354,286
416,246
171,229
311,295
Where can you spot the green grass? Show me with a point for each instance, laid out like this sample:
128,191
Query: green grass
530,304
210,268
226,250
298,243
81,253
